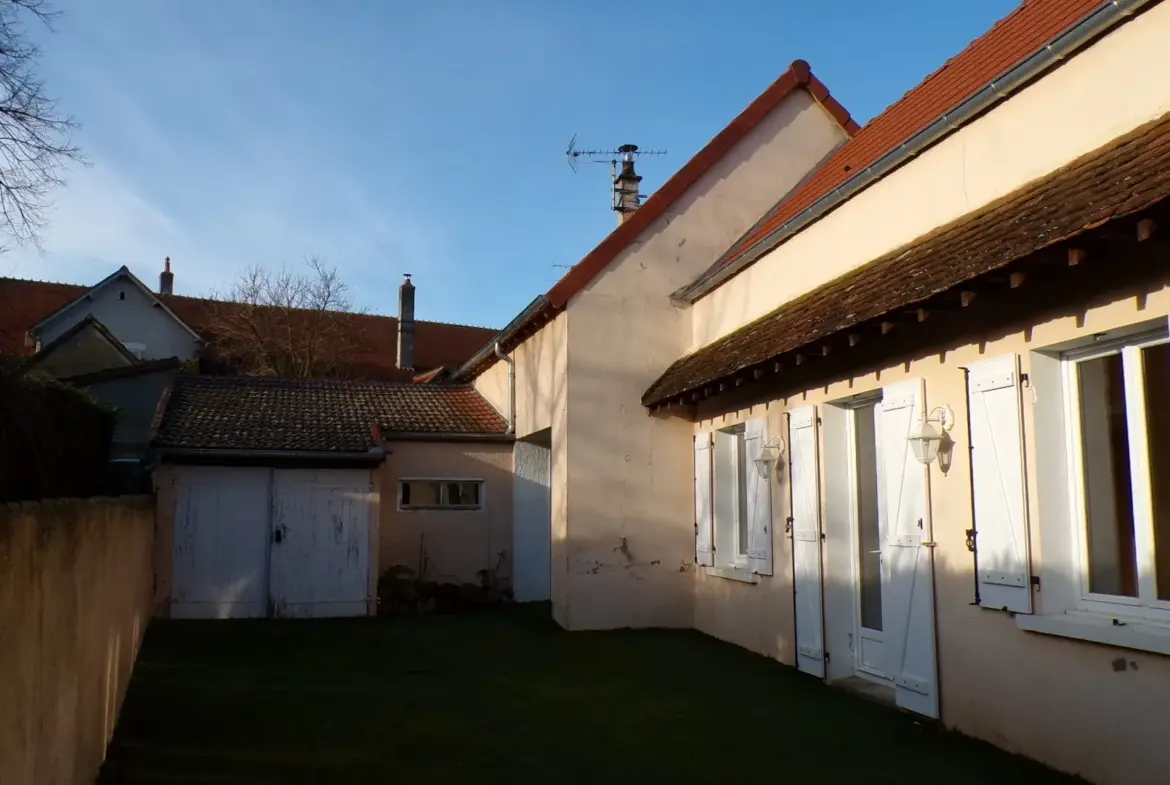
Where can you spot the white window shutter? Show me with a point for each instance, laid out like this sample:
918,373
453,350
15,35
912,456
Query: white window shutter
840,595
1002,564
759,499
804,486
908,603
704,550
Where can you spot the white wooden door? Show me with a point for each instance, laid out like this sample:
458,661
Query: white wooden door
531,523
908,605
321,542
805,525
221,534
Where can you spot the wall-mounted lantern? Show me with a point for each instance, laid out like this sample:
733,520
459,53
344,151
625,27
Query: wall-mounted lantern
928,436
769,454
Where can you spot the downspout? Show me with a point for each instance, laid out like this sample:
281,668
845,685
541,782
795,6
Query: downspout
511,387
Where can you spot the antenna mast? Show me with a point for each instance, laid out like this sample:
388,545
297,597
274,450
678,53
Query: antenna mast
626,196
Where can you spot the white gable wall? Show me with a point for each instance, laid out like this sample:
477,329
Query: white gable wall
135,319
1100,94
630,554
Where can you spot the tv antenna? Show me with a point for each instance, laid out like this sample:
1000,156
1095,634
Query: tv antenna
626,196
627,152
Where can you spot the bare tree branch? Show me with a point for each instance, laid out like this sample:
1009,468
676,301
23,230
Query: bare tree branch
35,138
284,322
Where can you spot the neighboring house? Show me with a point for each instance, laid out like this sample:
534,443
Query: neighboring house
750,440
155,325
289,497
584,353
134,391
86,347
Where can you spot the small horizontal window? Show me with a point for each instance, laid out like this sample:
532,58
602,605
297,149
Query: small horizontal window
440,494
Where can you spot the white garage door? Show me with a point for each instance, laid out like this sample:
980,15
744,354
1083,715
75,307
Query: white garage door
221,543
289,542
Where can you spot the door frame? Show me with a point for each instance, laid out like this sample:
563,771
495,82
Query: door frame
870,401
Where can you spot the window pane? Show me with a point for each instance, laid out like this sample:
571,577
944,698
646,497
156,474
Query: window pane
741,466
1156,362
868,521
420,494
463,494
1108,496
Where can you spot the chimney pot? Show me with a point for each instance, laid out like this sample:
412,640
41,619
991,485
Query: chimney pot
406,323
166,279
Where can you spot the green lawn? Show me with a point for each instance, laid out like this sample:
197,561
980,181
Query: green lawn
507,697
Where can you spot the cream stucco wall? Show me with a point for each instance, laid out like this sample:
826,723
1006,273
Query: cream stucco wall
541,403
75,579
760,616
1096,96
629,494
540,379
457,543
1065,702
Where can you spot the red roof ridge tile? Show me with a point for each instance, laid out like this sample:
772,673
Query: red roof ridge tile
14,279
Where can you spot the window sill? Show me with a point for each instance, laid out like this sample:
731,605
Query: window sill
733,574
1130,633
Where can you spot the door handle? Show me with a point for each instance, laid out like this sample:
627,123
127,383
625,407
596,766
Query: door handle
278,534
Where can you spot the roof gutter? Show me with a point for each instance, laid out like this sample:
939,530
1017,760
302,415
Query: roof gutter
1093,26
534,309
424,436
373,455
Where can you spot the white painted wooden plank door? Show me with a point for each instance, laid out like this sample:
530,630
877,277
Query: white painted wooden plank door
806,541
221,531
531,523
321,542
908,605
1003,566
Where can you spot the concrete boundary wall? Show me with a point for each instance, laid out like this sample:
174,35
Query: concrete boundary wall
75,586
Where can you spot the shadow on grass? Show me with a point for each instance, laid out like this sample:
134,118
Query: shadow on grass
506,696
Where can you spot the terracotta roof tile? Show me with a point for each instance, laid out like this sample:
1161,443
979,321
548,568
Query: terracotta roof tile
1013,39
328,415
1130,174
25,303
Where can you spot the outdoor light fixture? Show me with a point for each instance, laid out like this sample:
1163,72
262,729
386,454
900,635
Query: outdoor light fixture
769,454
929,434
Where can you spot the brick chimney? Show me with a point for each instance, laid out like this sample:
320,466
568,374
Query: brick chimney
166,279
406,324
625,184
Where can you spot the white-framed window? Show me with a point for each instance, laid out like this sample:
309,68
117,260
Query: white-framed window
440,493
1117,417
731,495
733,509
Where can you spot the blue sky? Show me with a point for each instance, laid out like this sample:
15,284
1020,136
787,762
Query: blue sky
428,138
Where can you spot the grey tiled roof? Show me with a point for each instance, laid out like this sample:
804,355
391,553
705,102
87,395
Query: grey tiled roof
327,415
